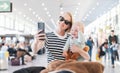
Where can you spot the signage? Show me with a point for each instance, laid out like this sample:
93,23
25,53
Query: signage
5,6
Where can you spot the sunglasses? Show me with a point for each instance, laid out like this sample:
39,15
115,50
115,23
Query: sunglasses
65,21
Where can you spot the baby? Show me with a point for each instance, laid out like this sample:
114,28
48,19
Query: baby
76,38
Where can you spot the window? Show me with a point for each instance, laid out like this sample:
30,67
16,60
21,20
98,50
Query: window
2,20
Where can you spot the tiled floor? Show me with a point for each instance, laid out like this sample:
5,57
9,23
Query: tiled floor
41,61
107,63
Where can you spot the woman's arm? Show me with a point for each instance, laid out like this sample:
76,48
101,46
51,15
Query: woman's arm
38,44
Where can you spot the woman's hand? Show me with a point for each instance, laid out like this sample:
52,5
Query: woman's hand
39,37
38,41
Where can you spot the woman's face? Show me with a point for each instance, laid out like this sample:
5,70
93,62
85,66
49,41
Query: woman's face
64,22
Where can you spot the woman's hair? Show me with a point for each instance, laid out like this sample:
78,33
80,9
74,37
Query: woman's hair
68,30
80,26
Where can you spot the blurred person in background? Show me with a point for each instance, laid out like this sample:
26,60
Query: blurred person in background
12,50
102,50
90,44
112,37
2,41
4,47
111,40
114,52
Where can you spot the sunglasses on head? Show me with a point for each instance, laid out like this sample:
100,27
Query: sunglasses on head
65,21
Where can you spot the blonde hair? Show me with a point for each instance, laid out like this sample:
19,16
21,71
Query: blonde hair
70,20
80,26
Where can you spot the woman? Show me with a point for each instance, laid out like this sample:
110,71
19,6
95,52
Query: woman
55,41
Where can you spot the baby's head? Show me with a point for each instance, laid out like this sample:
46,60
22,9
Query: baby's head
77,27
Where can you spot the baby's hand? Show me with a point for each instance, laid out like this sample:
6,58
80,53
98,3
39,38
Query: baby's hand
65,54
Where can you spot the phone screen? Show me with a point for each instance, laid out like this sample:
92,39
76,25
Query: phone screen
41,26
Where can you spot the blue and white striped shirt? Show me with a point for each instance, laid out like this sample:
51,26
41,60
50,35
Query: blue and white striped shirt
54,45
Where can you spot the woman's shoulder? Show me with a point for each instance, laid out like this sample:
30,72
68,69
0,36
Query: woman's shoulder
49,34
68,34
54,34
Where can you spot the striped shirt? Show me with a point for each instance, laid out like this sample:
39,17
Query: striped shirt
54,45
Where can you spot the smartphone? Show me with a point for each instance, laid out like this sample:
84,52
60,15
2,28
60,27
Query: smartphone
41,26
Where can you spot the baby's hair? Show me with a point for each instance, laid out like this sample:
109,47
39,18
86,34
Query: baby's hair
80,26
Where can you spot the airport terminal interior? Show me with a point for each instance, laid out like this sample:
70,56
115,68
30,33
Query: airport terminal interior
34,33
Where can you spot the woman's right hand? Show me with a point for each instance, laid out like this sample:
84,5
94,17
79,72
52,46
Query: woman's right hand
39,37
38,41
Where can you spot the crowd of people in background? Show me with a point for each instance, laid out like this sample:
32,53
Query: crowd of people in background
108,49
18,49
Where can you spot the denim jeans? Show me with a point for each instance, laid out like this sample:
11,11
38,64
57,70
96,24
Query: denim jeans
90,52
114,54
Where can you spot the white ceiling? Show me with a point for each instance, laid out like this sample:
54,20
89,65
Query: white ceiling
49,10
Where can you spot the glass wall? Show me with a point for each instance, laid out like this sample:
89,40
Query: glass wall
15,25
101,26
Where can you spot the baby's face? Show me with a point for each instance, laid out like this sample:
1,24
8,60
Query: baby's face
74,32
